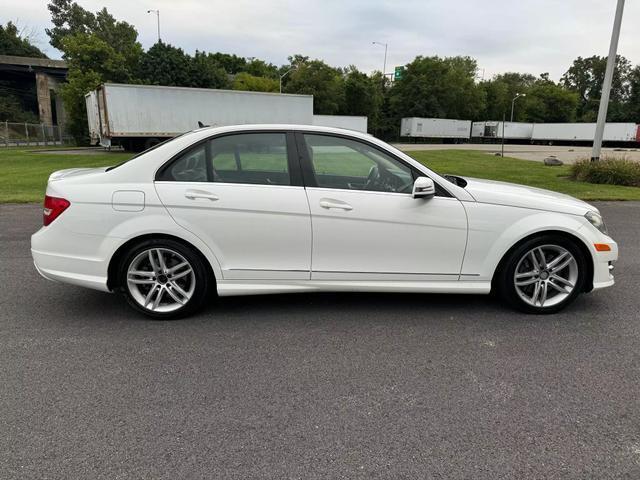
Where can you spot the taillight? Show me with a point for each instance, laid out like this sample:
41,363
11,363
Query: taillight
53,207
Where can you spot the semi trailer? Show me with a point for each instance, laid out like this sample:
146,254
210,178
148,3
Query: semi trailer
436,128
492,131
140,116
584,132
350,122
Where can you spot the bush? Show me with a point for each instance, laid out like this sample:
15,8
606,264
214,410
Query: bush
612,171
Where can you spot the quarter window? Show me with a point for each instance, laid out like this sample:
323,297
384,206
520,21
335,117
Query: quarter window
349,164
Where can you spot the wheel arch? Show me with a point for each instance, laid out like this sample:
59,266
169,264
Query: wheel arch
580,243
116,258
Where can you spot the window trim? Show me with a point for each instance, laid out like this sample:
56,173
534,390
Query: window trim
293,162
308,173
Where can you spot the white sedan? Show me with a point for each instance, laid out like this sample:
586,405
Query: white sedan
256,209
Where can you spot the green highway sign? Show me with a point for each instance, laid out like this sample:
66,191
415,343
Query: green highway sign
398,73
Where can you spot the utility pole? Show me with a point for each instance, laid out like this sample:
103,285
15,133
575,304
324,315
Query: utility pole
606,85
157,12
518,95
384,65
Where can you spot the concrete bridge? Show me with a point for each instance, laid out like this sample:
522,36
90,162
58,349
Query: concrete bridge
47,74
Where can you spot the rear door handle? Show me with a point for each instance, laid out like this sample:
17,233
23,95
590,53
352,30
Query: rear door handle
193,194
331,203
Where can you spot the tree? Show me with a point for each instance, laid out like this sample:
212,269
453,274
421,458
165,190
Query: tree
12,42
231,63
259,68
245,81
548,102
438,87
586,75
499,93
317,78
205,72
68,18
632,107
164,64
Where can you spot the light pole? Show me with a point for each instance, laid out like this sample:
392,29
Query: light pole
384,65
513,102
157,12
606,85
284,75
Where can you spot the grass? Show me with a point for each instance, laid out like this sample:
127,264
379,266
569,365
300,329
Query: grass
24,172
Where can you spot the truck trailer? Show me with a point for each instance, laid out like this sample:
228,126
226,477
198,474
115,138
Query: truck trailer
140,116
492,131
350,122
584,132
437,128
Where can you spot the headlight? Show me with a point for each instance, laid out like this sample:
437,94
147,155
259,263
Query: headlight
596,220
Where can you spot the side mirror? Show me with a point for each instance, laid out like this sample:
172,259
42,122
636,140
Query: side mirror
423,187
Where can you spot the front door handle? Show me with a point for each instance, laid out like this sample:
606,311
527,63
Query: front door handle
331,203
193,194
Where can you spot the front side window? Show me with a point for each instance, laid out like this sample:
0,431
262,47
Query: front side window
256,158
349,164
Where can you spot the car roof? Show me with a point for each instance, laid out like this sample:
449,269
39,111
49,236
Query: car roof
281,126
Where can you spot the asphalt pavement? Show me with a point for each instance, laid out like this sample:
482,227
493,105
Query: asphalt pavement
317,385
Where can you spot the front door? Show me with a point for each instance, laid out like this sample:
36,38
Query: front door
242,194
367,225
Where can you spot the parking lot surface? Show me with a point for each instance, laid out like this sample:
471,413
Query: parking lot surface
317,386
568,154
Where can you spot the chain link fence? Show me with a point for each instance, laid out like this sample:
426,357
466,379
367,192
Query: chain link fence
16,134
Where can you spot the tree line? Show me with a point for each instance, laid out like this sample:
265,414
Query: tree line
99,48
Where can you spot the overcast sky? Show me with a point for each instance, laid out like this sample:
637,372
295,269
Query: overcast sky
531,36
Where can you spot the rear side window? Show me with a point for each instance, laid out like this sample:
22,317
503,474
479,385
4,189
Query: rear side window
250,158
256,158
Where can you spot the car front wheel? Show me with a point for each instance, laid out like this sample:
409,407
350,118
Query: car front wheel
164,279
543,275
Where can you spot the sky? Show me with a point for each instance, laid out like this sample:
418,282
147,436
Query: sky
527,36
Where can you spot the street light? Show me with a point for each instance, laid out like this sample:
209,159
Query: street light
285,74
384,67
518,95
157,12
606,85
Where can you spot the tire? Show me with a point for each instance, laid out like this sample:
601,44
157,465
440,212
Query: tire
164,279
549,286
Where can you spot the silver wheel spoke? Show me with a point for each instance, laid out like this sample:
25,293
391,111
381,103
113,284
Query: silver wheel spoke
536,293
156,302
181,274
152,261
163,266
559,288
562,266
149,297
524,283
173,295
543,293
536,265
139,281
532,273
543,260
175,268
179,289
553,263
564,281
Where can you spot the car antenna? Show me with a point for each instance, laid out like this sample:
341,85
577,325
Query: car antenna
201,125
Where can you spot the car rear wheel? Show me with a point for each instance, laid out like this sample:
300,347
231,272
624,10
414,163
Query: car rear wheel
543,275
164,279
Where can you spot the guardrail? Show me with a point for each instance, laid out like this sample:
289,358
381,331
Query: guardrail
13,134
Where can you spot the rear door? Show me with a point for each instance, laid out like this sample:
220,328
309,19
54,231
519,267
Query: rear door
242,194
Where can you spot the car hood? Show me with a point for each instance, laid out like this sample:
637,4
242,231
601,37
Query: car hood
511,194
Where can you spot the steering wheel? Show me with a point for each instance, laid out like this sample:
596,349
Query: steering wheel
373,177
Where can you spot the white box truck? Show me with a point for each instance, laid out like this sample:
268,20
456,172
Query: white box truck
139,116
584,132
493,130
438,128
350,122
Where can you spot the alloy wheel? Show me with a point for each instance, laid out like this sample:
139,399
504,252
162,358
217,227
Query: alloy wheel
546,275
161,280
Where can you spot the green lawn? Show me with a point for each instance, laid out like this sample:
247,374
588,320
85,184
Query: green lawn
24,172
